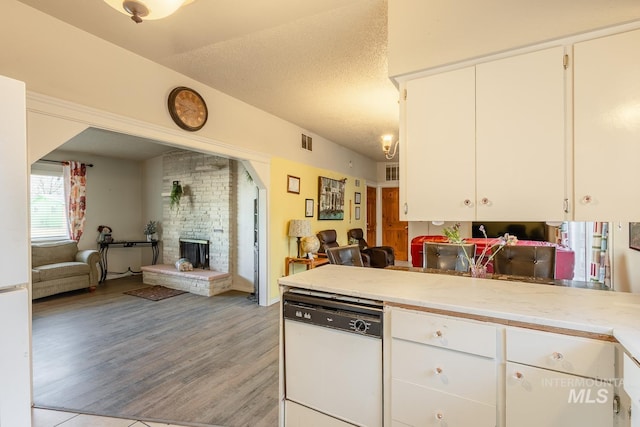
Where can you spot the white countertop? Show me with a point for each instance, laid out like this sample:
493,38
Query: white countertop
586,310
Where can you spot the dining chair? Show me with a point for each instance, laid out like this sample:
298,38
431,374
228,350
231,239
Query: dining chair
529,261
345,255
448,256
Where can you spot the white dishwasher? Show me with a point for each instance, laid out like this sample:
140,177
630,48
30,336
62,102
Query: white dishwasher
333,359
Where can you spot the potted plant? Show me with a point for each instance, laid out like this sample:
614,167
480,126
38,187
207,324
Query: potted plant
176,194
150,231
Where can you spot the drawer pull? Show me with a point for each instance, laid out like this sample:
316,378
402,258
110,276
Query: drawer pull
518,375
439,416
438,370
437,334
557,356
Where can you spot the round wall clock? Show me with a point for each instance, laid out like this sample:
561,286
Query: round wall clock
187,108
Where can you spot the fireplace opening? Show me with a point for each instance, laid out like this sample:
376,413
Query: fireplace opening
196,251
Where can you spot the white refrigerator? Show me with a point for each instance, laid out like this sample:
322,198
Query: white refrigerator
15,350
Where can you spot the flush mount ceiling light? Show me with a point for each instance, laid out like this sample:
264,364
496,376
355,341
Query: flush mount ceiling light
147,9
387,142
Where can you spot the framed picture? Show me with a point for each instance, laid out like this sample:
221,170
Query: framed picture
357,213
293,184
330,198
357,198
634,235
308,208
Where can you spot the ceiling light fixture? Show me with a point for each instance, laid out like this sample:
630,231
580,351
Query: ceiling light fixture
387,142
147,9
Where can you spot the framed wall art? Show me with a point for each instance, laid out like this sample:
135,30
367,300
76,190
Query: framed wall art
293,184
634,235
308,208
357,213
330,198
357,198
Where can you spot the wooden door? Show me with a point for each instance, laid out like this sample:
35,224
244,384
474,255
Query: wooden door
371,216
395,233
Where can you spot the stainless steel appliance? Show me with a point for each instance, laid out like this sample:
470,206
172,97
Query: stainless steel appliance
332,359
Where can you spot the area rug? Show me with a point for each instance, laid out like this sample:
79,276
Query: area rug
155,293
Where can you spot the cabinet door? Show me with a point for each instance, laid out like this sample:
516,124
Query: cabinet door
439,147
539,397
520,137
607,122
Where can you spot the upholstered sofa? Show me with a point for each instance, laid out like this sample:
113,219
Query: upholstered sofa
60,267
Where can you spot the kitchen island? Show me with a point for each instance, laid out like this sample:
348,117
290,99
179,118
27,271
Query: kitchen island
604,325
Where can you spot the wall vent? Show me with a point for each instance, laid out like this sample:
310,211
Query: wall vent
307,142
392,172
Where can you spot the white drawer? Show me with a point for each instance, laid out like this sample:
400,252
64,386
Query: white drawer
465,375
538,397
564,353
631,381
413,405
443,331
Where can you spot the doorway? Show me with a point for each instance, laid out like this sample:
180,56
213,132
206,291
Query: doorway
372,222
395,233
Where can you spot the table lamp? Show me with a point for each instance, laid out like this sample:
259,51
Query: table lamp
299,228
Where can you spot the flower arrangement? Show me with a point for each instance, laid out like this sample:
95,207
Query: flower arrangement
478,264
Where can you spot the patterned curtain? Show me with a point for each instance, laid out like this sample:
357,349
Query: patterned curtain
75,184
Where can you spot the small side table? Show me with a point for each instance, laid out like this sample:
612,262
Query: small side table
309,262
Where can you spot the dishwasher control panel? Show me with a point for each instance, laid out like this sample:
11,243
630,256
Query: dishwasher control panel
364,319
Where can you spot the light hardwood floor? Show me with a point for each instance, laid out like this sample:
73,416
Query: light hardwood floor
187,359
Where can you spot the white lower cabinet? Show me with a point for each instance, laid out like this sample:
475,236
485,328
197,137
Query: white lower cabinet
539,397
441,374
301,416
558,380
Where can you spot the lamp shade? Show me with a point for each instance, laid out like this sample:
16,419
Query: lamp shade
147,9
299,228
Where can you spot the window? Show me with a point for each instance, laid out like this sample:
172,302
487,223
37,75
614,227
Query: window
48,211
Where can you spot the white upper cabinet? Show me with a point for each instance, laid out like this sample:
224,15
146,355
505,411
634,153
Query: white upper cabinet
439,144
520,137
607,127
487,142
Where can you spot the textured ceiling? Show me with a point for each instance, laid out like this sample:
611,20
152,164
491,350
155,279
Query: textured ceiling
321,64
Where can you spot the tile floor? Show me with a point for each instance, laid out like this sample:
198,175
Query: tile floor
50,418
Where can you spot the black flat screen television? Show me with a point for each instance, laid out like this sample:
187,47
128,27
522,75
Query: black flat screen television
522,230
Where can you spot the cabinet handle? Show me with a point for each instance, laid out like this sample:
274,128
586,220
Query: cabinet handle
406,208
439,416
557,355
587,199
467,202
518,375
438,371
437,334
484,201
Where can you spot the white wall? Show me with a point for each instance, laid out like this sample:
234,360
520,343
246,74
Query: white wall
152,201
243,253
114,198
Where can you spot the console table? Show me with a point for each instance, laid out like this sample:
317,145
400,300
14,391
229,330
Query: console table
309,262
104,250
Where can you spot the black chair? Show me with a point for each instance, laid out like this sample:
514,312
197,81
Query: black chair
448,256
529,261
379,256
345,255
328,240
